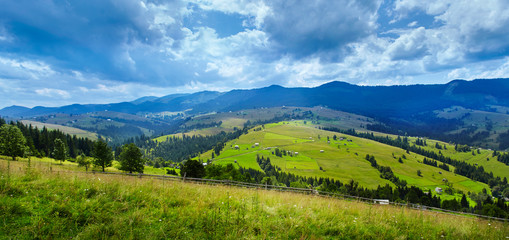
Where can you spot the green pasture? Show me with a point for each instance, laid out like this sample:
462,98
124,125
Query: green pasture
342,159
484,158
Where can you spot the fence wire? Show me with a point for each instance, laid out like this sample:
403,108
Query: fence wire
298,190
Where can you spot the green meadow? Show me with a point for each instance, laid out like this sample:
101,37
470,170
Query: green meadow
481,157
315,153
47,201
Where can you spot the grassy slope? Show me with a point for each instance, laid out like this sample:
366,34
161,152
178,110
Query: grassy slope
491,165
65,129
47,205
48,163
231,120
480,119
347,162
198,132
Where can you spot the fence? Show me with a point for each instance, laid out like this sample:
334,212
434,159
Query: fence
301,190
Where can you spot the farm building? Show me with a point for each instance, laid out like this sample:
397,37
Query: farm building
381,201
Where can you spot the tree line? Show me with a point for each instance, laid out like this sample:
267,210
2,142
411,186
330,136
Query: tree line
385,172
41,142
434,163
19,140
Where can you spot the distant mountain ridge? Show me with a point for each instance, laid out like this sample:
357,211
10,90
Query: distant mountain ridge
381,101
173,102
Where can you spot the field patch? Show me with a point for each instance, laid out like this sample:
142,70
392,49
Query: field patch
65,129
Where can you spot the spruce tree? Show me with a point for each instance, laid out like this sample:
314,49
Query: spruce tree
102,154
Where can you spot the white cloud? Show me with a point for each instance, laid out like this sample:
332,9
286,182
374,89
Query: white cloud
24,68
53,93
409,46
412,24
256,9
493,69
472,29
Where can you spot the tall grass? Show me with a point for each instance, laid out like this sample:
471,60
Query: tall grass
40,202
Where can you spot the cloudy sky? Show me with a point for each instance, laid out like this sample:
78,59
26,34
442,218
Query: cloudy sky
57,52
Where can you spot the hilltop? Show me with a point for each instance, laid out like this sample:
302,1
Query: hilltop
310,152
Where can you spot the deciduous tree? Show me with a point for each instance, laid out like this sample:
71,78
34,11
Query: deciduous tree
60,150
131,159
84,161
12,141
193,168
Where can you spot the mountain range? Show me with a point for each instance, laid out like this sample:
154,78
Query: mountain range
375,101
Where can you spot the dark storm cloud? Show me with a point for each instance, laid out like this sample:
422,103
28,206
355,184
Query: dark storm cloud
86,35
303,28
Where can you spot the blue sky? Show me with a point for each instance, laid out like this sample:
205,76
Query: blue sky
58,52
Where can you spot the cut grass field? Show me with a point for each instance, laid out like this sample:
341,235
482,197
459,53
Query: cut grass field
37,204
65,129
342,159
199,132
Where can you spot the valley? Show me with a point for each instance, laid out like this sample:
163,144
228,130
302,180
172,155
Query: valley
451,158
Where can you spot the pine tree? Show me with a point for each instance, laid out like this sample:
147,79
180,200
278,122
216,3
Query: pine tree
102,154
464,202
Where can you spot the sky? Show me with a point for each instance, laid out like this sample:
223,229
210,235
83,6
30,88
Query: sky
59,52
